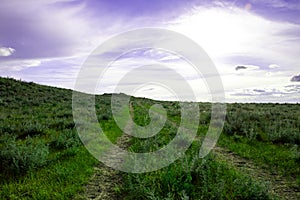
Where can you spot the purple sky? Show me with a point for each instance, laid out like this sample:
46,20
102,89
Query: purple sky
47,41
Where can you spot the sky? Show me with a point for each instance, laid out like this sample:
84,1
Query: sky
255,45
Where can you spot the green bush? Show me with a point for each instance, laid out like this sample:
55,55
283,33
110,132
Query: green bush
31,129
62,123
268,123
193,178
285,135
66,139
22,129
20,157
248,189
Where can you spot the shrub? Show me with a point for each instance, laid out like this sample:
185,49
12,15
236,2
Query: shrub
248,189
194,178
31,129
285,135
21,157
22,129
66,139
61,124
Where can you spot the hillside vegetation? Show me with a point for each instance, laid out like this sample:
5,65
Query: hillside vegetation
42,157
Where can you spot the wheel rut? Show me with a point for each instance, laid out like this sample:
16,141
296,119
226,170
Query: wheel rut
279,186
104,183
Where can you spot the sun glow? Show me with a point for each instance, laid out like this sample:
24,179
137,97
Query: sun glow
221,32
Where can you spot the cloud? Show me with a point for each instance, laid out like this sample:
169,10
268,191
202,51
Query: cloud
268,93
240,67
155,9
259,91
18,65
273,66
296,78
283,94
6,51
248,68
277,10
234,32
236,37
52,31
293,5
68,27
293,88
232,36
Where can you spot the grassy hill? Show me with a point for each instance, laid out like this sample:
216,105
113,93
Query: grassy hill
43,158
41,155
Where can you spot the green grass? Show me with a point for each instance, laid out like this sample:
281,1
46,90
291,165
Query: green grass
59,180
275,158
267,134
189,177
42,157
194,178
41,154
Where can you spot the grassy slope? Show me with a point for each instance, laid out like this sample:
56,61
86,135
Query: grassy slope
43,116
40,119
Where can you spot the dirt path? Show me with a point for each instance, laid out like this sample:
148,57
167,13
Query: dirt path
103,185
279,186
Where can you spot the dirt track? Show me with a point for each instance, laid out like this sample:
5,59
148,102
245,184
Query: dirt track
103,184
279,186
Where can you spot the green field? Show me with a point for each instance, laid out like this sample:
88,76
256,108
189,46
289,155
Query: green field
42,156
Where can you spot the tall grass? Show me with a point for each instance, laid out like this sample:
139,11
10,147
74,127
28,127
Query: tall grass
41,156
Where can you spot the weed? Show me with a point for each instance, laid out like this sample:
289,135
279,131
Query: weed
20,157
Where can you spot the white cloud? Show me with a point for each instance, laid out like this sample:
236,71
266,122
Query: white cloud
273,66
274,93
250,68
223,33
159,67
234,34
279,4
6,51
18,65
